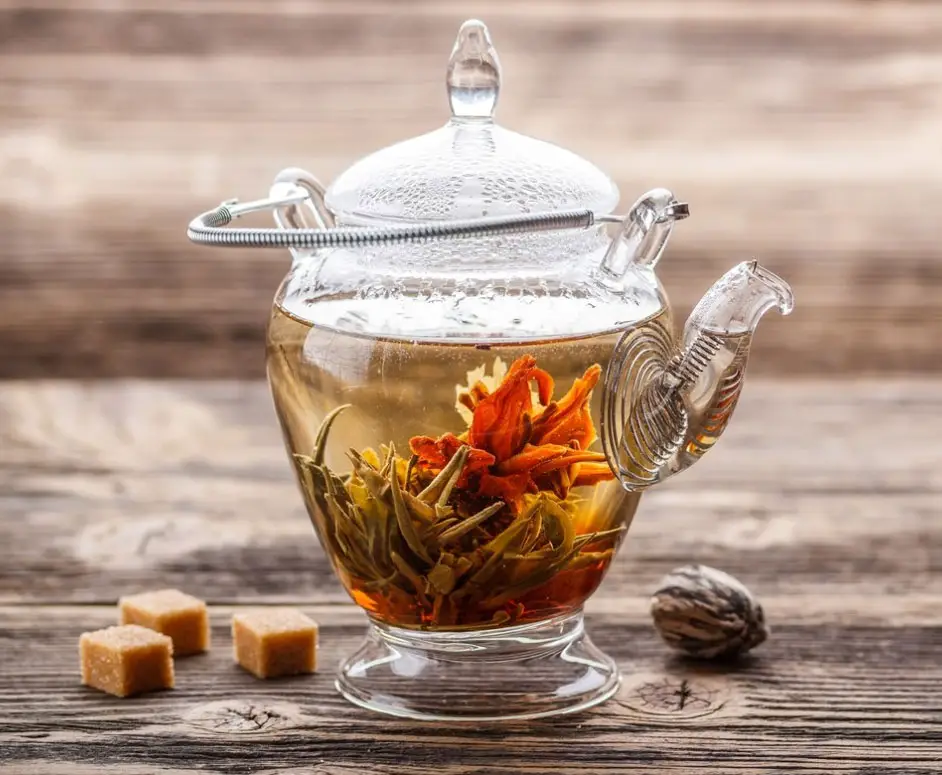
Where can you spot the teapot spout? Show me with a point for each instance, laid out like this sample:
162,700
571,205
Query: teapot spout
737,301
664,407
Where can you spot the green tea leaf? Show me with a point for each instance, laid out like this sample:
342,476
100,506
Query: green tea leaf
538,575
441,578
405,524
320,438
374,539
502,541
534,530
374,482
462,456
465,526
305,461
441,526
437,485
304,472
359,460
361,497
411,574
419,509
462,565
497,548
388,454
334,510
558,526
591,538
357,520
585,559
538,556
412,461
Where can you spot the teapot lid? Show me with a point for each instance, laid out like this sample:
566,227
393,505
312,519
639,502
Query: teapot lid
470,167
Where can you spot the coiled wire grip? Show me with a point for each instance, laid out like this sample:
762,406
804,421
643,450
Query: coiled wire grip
294,188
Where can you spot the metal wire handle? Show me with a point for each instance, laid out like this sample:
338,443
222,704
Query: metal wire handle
295,187
209,227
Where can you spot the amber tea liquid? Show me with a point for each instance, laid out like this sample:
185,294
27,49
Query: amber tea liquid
398,390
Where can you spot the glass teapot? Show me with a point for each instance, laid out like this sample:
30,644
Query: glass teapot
475,371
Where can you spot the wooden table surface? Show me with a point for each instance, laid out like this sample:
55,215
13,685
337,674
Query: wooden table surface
824,497
805,134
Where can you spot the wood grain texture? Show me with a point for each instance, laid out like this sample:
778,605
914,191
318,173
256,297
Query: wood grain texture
828,491
825,500
814,699
804,134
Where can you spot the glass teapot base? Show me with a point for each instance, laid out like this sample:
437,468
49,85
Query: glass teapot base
531,671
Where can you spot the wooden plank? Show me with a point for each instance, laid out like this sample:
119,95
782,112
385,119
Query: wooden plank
804,134
824,499
823,496
813,699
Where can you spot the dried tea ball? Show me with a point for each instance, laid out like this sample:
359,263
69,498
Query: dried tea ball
707,613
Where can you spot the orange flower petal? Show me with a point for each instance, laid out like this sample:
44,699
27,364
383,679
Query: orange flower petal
510,489
500,423
435,454
531,456
544,385
592,473
512,453
564,461
556,481
428,450
474,395
570,420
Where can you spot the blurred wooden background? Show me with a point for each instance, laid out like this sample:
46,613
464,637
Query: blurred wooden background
807,134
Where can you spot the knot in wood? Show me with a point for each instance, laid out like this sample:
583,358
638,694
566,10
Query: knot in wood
318,769
673,697
242,717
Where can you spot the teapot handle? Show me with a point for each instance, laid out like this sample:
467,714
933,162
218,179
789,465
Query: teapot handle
291,215
210,228
643,233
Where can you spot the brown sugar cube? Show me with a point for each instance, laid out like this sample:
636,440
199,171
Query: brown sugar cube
126,660
172,613
275,642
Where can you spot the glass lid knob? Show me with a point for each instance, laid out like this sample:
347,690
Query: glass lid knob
473,77
469,167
